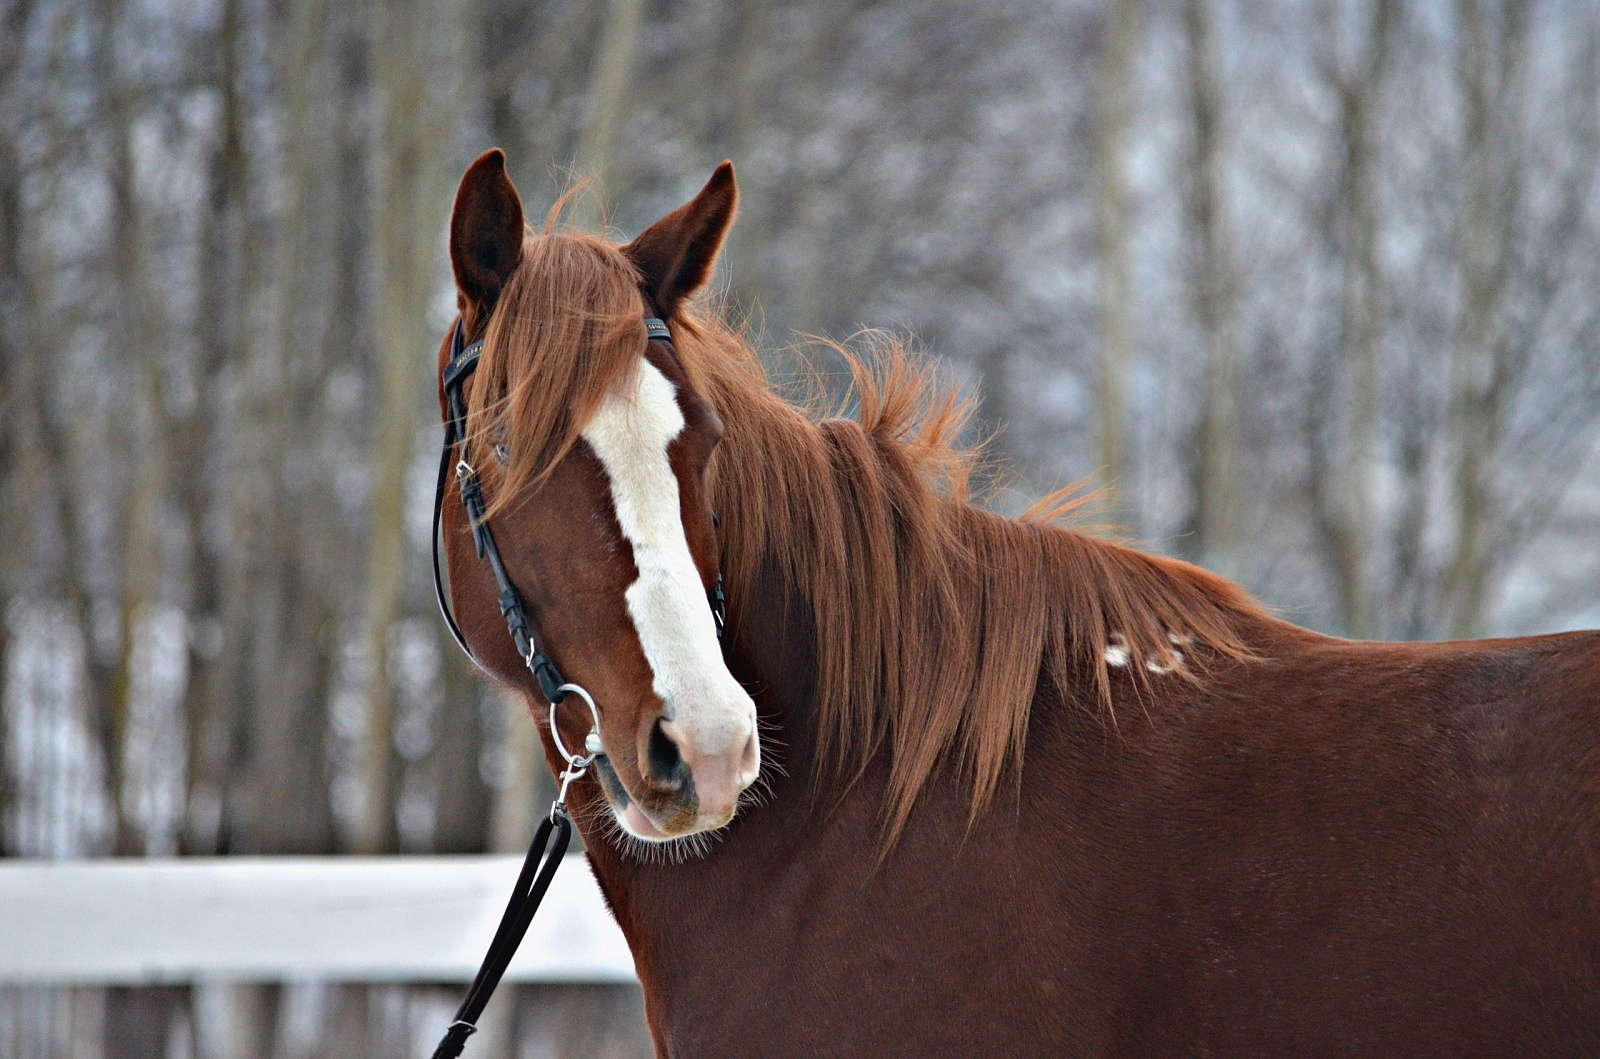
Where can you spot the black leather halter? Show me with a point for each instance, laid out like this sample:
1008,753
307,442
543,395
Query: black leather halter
555,831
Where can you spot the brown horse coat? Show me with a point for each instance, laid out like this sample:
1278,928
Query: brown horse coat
1345,849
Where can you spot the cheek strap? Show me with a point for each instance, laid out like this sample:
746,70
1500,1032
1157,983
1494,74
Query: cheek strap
463,361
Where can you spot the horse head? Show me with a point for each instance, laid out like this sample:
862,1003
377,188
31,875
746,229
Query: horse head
593,447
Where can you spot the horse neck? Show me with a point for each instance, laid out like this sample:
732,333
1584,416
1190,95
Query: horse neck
812,848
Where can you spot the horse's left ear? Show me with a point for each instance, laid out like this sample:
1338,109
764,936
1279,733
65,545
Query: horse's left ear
485,235
675,255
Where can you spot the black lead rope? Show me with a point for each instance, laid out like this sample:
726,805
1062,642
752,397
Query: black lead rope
544,857
555,831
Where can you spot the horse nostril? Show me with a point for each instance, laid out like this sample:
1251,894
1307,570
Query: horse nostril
666,763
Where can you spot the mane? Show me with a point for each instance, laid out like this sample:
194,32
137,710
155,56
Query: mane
935,622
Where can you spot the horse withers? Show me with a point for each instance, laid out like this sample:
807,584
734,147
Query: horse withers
955,784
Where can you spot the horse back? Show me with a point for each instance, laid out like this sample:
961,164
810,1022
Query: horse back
1340,849
1348,847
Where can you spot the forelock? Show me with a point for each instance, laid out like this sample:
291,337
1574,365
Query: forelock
569,327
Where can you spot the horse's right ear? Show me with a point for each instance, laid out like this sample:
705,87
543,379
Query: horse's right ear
485,235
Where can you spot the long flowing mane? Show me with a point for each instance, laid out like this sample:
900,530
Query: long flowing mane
935,622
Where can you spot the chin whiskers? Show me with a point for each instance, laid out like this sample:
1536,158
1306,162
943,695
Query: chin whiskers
600,817
760,792
672,851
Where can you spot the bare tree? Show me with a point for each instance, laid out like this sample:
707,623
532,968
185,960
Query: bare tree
1345,476
401,288
1489,55
226,276
1217,523
1117,79
15,23
609,81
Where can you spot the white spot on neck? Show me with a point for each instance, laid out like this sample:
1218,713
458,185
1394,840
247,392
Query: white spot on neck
1116,653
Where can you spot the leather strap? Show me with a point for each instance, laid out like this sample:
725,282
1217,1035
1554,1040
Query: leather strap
538,868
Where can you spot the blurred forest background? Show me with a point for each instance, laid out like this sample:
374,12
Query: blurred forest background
1312,286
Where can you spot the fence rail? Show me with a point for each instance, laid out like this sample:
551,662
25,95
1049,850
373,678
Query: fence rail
366,919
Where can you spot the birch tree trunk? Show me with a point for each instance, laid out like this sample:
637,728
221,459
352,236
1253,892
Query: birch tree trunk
1217,524
399,293
16,503
1119,53
1345,513
1475,375
227,276
609,84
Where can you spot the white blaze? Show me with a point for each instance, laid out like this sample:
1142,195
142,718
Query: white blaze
630,433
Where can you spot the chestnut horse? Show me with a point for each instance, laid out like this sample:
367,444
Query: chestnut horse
1023,792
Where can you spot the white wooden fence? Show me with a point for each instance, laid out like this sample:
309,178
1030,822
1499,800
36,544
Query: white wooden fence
365,919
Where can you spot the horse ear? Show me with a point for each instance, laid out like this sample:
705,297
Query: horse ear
485,234
675,255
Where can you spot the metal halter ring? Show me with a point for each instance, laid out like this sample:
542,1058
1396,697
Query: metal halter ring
592,744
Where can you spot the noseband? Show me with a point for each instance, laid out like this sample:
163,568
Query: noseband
555,831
